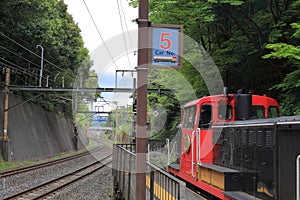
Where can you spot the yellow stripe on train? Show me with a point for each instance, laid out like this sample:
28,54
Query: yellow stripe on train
159,192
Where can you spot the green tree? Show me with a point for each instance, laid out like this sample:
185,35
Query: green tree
235,33
290,87
24,24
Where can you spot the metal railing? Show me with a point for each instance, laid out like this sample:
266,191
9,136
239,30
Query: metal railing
298,178
159,183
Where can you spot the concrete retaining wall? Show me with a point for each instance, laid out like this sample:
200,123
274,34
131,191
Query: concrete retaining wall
35,133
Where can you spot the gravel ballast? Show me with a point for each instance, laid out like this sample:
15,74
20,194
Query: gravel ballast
96,186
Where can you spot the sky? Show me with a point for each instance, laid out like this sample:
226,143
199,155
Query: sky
106,15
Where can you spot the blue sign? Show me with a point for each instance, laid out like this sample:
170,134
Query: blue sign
165,47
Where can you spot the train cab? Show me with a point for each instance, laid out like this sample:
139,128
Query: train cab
199,118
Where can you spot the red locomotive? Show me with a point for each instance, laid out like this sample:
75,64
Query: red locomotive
235,146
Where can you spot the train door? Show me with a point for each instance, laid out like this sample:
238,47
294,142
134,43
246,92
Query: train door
188,124
204,133
197,136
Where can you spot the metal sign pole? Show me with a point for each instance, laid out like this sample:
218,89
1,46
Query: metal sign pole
142,79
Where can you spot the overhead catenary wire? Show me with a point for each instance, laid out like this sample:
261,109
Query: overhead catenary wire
98,31
120,8
24,96
127,30
21,103
123,32
20,45
86,117
20,69
27,49
22,73
14,53
17,67
14,34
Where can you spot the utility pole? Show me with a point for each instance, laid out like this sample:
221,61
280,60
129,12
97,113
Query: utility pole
5,116
42,64
6,143
142,79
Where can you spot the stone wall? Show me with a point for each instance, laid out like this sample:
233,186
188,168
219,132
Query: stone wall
35,133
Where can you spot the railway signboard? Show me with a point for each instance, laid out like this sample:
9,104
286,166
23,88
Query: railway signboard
166,42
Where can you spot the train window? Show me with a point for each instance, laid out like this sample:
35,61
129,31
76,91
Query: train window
224,112
205,116
272,112
258,112
189,117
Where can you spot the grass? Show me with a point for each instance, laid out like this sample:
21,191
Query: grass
10,165
107,136
91,144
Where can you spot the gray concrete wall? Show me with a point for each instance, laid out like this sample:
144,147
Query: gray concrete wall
35,133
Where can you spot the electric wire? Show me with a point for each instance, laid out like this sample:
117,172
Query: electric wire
27,100
123,33
22,46
124,39
17,67
14,53
4,29
100,34
86,117
21,69
16,76
24,96
127,30
2,47
1,33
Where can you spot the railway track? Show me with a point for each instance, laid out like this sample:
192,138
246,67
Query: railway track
46,164
50,187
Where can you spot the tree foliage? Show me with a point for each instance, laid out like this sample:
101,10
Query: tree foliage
25,24
290,86
239,35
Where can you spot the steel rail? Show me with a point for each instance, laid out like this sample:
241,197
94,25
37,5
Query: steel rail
50,187
46,164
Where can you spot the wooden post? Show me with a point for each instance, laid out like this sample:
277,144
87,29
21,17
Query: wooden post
5,116
6,142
